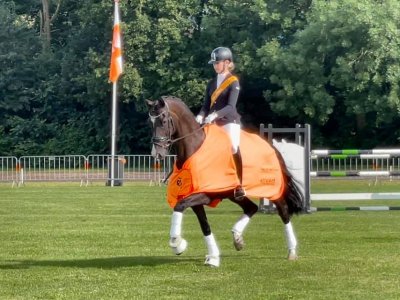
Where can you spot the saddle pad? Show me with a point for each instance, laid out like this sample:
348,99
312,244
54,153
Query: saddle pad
211,169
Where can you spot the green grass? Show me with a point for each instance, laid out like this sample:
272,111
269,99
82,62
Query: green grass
62,241
335,185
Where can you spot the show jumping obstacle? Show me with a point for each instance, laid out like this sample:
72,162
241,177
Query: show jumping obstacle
356,163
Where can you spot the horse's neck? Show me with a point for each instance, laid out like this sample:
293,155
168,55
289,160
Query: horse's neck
185,148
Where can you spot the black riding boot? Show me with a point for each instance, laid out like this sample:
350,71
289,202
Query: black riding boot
239,192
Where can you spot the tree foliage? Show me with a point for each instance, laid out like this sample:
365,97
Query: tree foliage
345,60
333,64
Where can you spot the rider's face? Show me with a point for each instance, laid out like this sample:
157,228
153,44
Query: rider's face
221,66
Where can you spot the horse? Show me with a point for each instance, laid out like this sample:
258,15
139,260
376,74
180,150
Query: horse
174,125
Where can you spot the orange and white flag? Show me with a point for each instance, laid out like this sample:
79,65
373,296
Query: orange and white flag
116,52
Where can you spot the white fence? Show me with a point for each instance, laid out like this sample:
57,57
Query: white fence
9,169
97,167
52,168
84,169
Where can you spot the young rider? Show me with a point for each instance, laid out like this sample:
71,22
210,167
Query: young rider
219,105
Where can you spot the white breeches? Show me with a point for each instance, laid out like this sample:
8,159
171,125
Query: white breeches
233,130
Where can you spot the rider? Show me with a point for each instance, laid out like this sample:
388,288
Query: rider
220,105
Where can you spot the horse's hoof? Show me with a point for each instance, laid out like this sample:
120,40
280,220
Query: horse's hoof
178,245
212,260
292,255
238,241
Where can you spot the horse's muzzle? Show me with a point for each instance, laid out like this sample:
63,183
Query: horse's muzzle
158,154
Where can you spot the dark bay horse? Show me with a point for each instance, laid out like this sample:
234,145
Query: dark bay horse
174,125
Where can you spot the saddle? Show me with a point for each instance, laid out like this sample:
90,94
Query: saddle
211,169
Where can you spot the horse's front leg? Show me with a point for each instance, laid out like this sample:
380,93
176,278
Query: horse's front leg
177,243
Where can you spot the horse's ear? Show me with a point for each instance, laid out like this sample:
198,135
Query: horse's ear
150,103
155,105
161,102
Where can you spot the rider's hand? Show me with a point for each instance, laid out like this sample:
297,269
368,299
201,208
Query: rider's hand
211,118
199,119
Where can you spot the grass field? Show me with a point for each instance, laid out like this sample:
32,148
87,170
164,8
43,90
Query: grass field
63,241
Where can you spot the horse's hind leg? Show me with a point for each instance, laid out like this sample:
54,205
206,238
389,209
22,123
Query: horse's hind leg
249,209
291,240
213,256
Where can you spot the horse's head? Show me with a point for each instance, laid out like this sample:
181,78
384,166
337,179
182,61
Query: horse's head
163,127
173,124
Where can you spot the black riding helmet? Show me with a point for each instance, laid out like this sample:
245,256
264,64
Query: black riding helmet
219,54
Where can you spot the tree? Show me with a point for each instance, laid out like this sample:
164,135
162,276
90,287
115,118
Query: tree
347,55
20,55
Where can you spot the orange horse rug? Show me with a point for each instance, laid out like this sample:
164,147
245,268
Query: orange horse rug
211,169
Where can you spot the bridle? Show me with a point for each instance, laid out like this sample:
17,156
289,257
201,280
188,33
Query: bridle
167,141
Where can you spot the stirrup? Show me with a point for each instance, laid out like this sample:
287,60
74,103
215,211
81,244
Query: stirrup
239,193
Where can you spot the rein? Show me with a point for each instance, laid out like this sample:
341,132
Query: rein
186,135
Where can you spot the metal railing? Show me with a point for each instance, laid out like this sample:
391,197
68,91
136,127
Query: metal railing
9,169
129,167
96,167
52,168
70,168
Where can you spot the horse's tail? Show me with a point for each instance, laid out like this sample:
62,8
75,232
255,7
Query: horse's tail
293,196
292,165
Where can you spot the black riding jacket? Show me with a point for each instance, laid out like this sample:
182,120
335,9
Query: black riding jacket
225,105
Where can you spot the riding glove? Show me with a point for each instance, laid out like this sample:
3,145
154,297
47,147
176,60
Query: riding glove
199,119
211,118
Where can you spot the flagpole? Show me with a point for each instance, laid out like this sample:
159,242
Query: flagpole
115,72
113,131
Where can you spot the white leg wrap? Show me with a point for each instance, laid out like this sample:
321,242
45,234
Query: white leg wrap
290,237
212,259
212,247
178,245
176,224
241,224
